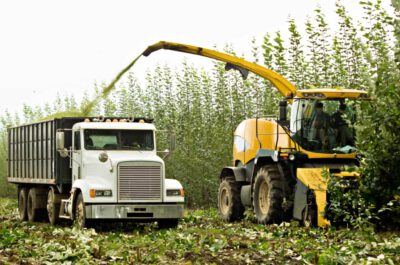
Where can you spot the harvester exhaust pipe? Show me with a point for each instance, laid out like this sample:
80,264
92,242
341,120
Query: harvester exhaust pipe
282,110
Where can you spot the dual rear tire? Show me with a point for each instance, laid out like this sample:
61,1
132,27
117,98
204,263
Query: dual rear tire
31,204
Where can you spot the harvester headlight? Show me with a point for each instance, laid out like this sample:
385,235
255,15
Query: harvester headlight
292,157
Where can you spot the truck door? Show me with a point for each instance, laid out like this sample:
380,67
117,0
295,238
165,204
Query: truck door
76,156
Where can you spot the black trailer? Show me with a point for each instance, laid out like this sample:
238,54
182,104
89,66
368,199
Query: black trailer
32,155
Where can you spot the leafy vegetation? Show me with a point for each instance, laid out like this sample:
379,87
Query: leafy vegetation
201,238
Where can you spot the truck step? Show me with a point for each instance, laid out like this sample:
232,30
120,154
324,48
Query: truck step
65,217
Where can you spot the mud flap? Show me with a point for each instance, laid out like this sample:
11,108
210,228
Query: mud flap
311,178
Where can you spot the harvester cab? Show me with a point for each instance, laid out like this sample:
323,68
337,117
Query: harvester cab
281,166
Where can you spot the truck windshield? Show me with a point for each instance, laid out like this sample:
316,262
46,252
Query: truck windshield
324,126
96,139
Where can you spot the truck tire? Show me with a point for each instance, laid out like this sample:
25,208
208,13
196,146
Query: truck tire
53,208
80,213
33,214
230,206
268,195
22,201
167,223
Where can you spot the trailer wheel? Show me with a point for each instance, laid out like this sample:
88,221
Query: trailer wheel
268,195
80,212
167,223
230,206
22,201
53,208
31,206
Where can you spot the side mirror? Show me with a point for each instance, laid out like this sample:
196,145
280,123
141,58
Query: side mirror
60,144
60,141
172,142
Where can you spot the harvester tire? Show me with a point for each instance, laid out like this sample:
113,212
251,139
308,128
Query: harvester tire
230,206
268,195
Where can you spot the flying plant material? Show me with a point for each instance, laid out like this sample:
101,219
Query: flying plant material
87,108
106,91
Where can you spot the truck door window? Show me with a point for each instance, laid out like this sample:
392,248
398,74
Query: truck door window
77,141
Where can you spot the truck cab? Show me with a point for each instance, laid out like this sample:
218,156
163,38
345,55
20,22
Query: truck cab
117,174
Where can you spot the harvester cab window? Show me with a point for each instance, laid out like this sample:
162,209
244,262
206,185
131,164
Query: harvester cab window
141,140
324,126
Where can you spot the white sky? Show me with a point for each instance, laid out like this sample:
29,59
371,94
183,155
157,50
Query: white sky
49,47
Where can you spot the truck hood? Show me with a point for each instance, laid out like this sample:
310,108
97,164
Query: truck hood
122,156
115,157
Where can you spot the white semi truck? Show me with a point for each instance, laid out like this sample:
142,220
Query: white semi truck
87,169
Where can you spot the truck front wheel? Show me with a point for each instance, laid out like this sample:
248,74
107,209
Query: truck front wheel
268,195
80,212
53,208
230,206
22,200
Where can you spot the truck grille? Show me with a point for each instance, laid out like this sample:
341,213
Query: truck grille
139,182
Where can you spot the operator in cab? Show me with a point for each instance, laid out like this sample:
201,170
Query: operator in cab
342,130
320,123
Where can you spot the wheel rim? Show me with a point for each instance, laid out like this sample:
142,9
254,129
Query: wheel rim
224,204
307,222
263,198
50,201
307,218
79,214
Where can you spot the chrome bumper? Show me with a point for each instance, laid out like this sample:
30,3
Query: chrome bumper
134,211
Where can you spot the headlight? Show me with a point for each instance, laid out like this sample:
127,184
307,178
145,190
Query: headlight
100,193
175,193
292,157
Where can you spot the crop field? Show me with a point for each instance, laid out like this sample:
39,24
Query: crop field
201,238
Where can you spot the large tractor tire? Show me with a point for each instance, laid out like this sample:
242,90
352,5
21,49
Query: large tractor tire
230,206
268,195
22,201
